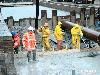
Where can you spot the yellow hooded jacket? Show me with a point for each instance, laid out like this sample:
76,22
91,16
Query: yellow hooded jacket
45,37
58,34
76,30
76,34
45,32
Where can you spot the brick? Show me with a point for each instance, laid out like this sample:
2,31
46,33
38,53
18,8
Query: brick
8,43
7,50
7,38
4,70
1,47
1,73
1,38
2,62
2,58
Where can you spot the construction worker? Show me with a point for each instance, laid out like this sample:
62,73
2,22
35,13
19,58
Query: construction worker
76,35
13,34
45,36
16,40
58,34
29,43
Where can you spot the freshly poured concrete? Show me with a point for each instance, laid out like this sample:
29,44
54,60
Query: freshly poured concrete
58,63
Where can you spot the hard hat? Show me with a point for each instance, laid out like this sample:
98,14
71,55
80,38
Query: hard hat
31,28
46,24
59,23
13,33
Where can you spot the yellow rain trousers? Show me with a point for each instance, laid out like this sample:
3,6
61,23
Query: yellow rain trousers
76,35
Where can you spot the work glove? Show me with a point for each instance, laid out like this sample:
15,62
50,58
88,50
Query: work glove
81,37
79,34
63,33
24,46
41,27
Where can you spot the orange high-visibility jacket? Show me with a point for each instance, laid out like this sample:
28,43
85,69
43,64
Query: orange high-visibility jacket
16,41
29,41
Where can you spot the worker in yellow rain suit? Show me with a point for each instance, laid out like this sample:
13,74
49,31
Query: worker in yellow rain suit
45,36
58,34
76,35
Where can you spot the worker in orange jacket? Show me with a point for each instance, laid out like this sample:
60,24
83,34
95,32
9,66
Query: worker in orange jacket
29,43
16,40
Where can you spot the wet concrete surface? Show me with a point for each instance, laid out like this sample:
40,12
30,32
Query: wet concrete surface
58,63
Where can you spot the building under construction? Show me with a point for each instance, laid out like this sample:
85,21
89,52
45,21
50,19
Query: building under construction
18,15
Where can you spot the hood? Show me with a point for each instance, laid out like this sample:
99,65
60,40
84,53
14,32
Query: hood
76,26
59,24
